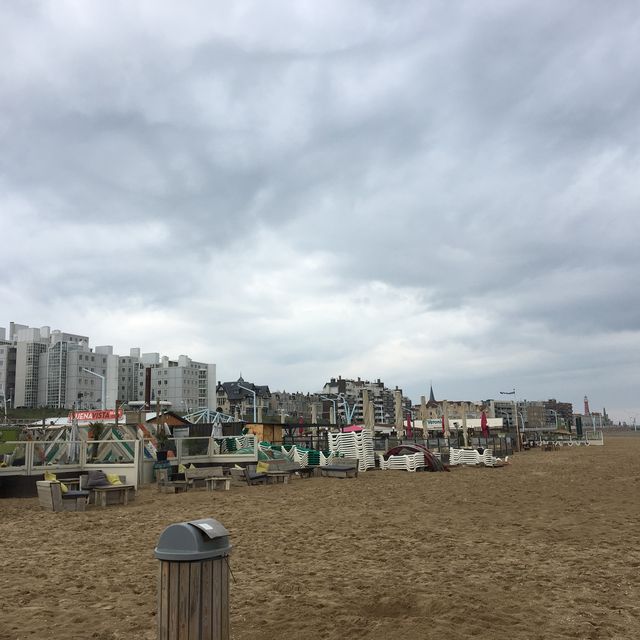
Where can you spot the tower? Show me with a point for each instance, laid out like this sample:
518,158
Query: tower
586,406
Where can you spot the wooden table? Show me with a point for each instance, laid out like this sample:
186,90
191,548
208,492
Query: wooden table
274,477
173,486
121,491
215,481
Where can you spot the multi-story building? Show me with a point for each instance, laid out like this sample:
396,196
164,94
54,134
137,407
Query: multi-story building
33,374
349,400
7,369
295,406
131,375
239,398
434,409
534,414
91,378
185,383
563,411
40,367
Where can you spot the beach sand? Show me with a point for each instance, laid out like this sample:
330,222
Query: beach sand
547,547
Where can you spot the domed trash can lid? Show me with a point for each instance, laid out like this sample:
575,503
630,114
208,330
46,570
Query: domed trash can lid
193,540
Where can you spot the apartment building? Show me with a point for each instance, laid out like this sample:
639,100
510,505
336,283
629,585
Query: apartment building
295,406
35,348
349,400
7,369
40,367
188,385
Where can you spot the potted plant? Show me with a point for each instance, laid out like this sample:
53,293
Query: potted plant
162,440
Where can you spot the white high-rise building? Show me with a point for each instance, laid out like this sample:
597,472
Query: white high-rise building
44,368
188,385
41,360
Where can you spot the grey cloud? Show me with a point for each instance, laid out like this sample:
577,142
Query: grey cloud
472,154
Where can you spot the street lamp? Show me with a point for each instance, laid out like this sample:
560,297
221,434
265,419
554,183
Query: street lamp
347,412
103,400
515,415
522,420
255,415
335,408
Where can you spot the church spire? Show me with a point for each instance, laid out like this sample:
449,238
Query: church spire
432,398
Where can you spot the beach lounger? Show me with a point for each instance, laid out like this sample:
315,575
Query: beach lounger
407,462
253,477
52,498
472,457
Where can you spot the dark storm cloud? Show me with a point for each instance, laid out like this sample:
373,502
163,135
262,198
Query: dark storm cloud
459,155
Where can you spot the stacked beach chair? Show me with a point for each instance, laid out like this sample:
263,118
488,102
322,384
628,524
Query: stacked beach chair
473,457
358,445
408,462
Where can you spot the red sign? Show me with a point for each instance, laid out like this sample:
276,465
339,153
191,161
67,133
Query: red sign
94,416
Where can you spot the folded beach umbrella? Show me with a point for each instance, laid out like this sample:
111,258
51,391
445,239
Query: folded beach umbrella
483,425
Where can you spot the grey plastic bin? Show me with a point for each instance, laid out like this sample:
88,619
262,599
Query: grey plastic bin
193,540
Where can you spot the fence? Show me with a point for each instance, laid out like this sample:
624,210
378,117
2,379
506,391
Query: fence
501,445
35,457
124,457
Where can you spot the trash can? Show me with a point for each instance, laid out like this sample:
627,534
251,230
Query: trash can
193,587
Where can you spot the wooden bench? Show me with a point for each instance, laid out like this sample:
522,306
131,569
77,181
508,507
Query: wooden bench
200,474
341,468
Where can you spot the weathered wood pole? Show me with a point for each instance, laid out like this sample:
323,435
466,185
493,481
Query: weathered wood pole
193,585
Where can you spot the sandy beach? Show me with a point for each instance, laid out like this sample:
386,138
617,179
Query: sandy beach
547,547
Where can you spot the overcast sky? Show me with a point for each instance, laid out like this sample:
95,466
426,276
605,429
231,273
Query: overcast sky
412,191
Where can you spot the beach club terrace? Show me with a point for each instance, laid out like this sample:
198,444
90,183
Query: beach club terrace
92,440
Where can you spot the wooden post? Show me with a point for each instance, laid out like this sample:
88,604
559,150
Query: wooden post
193,583
193,600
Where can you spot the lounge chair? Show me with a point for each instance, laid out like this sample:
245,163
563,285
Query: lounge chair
253,477
52,498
